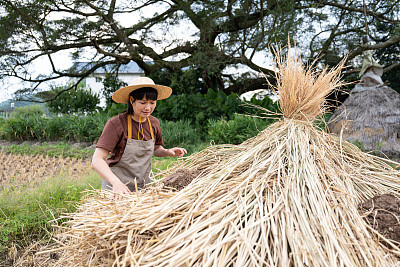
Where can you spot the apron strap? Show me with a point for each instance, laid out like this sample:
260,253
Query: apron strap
130,127
151,129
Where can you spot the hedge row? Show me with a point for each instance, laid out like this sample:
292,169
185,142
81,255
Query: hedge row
89,128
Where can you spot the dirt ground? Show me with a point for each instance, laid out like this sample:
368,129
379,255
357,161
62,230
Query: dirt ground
180,179
382,212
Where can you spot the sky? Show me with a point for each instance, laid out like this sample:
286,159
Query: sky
11,84
8,87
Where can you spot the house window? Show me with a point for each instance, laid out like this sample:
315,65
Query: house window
99,79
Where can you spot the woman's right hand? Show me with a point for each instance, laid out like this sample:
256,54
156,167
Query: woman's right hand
120,188
100,165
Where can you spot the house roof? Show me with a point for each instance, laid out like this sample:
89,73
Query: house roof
130,68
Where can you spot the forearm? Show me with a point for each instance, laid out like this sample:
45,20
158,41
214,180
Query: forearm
162,152
172,152
105,172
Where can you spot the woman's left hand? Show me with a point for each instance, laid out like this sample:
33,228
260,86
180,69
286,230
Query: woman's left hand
176,152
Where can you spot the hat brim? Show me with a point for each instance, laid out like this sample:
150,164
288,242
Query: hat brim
122,94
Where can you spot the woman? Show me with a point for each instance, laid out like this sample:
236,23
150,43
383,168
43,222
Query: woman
132,138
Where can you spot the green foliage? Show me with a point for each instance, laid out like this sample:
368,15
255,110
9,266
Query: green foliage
182,134
237,130
111,84
265,103
115,109
182,81
24,128
84,128
321,122
80,100
28,111
2,126
198,108
184,119
160,164
66,128
26,214
359,144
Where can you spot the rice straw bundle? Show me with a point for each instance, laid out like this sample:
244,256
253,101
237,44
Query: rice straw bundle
287,197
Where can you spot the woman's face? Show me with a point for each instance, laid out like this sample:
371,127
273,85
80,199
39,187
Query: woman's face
143,107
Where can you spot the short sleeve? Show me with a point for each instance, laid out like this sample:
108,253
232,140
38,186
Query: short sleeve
155,123
109,137
159,140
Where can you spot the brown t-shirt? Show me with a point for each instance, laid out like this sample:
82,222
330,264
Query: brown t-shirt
115,135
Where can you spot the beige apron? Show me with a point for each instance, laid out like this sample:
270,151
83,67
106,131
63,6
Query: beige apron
135,161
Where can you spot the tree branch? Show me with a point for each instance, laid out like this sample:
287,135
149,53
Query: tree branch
359,10
392,40
392,67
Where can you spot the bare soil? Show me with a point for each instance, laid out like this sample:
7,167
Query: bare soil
180,179
382,212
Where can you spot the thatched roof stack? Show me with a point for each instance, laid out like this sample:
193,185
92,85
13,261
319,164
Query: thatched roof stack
370,116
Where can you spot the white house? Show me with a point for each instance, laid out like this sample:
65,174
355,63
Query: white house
94,81
260,94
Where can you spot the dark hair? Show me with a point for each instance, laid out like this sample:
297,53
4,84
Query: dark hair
145,92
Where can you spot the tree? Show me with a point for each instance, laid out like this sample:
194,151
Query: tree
111,84
81,100
389,56
182,81
211,37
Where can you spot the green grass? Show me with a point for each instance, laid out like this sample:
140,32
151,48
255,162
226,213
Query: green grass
67,150
26,213
60,149
159,164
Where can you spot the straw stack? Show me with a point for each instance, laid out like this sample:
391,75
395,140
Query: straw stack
287,197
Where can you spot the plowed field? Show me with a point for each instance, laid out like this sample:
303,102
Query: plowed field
21,170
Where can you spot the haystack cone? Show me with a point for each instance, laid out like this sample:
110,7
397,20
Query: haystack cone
371,117
287,197
371,114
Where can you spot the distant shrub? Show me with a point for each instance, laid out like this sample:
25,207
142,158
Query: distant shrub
237,130
2,128
80,100
66,128
28,111
181,134
114,109
198,108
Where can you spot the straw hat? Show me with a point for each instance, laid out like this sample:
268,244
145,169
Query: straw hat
122,94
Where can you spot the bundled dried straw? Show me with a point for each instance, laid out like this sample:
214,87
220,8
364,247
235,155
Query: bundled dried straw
287,197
